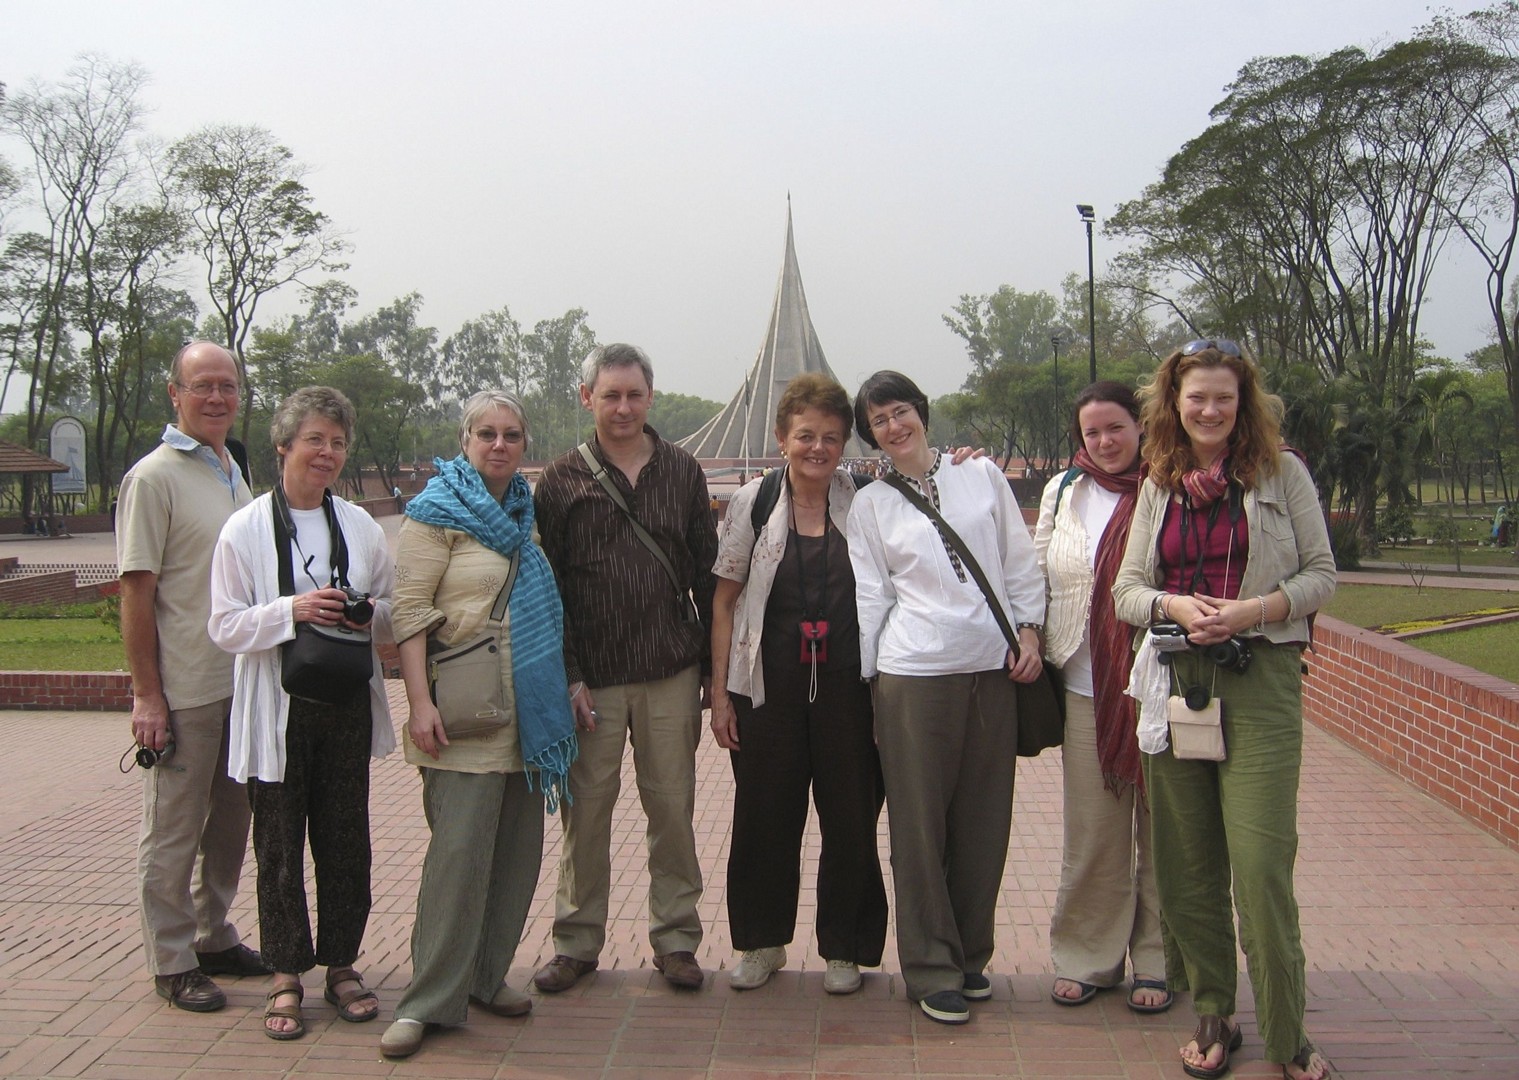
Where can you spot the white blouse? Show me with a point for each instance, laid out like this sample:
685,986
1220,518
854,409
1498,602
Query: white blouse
916,616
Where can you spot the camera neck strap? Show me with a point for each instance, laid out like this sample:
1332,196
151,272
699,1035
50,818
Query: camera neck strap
1191,528
285,534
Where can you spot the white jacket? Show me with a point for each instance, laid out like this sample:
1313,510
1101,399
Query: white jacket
250,619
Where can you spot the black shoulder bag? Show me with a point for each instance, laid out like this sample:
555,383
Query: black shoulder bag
326,664
1041,703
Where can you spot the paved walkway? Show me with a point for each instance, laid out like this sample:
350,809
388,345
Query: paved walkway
1408,916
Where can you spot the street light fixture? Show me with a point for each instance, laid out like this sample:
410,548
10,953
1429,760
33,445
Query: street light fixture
1056,336
1089,216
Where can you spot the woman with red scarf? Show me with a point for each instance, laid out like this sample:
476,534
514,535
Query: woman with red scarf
1228,542
1107,913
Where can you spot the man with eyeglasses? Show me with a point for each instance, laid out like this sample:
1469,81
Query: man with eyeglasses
172,506
627,525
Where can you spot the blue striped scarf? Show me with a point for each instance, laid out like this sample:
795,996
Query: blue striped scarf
457,498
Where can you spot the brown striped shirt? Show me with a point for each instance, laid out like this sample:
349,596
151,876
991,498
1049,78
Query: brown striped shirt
622,617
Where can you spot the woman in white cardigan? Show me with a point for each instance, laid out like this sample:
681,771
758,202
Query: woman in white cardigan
306,762
1107,913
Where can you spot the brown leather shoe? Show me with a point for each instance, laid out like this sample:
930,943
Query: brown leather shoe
681,969
238,960
190,990
561,973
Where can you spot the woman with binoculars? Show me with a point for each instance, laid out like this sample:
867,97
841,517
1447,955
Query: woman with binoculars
1228,542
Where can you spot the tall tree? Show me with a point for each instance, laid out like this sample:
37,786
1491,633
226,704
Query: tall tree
487,351
80,135
253,224
555,350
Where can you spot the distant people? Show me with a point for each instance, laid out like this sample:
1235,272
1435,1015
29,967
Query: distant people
945,705
173,504
483,793
635,571
1107,913
306,762
1229,542
794,717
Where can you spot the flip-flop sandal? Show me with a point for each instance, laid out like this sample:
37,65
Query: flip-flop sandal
285,1012
1151,984
1305,1058
1088,992
346,1001
1210,1030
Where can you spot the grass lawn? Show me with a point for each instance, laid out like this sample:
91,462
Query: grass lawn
1492,649
1441,555
1377,605
60,645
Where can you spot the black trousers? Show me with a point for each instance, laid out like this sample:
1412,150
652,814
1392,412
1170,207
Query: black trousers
787,746
325,794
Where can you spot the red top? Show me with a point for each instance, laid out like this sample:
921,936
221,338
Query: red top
1178,553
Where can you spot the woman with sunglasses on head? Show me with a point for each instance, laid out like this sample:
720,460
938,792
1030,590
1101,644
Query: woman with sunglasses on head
1228,541
945,704
1107,915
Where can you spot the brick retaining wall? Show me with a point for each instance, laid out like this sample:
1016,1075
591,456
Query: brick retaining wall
1446,728
73,690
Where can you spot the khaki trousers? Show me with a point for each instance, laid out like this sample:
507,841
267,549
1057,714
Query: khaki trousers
477,885
662,719
1107,911
948,747
194,836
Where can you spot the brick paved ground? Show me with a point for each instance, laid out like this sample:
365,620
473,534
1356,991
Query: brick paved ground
1408,914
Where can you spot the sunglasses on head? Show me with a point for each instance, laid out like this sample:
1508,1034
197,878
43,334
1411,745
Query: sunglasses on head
1223,345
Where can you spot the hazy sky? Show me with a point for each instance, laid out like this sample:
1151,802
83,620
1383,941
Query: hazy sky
634,158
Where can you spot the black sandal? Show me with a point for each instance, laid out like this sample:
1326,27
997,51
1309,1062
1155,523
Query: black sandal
1213,1030
1151,984
1305,1058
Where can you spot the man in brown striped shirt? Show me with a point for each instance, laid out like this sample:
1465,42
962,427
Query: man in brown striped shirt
636,655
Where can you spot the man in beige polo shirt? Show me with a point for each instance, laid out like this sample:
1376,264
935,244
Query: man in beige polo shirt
172,506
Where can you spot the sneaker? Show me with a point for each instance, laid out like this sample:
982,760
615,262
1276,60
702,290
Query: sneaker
977,987
756,966
561,973
190,990
947,1007
680,969
842,977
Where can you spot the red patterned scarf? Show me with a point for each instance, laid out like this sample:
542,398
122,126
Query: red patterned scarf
1117,721
1205,486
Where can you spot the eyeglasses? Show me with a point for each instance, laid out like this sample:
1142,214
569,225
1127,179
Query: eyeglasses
899,414
488,436
317,444
204,388
1223,345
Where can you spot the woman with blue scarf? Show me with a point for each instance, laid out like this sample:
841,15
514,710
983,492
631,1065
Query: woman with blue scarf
483,795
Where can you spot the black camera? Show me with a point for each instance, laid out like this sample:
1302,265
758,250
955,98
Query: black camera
146,757
1169,638
1232,655
358,608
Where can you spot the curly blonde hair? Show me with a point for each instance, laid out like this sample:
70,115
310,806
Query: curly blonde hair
1254,442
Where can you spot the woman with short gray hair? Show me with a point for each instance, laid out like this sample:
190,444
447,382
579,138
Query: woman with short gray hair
305,761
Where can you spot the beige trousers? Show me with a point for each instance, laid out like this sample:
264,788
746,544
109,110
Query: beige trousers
662,719
1107,912
194,836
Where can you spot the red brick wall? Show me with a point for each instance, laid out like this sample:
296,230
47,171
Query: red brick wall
1445,728
54,588
73,690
